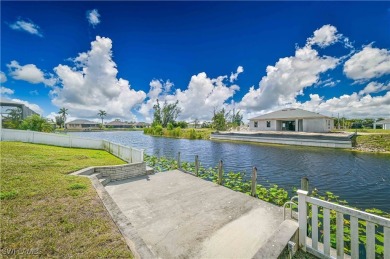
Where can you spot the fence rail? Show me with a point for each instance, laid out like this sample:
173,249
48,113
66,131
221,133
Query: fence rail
323,249
128,154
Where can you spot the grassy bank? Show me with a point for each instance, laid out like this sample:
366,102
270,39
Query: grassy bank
179,132
367,131
52,214
373,142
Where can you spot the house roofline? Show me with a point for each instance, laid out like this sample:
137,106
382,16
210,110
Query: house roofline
289,119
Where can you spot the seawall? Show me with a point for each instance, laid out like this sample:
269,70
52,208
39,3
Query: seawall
320,140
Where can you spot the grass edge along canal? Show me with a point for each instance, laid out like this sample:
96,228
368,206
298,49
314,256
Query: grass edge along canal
49,213
278,196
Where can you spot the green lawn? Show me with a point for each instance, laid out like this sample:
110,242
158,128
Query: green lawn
50,212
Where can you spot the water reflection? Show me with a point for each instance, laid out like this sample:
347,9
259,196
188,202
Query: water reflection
360,178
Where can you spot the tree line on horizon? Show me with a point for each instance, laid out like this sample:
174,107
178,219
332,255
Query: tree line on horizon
35,122
164,116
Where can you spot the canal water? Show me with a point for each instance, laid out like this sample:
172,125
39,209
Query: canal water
363,179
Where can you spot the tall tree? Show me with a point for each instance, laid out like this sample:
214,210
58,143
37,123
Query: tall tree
102,114
14,118
167,114
196,123
63,112
59,120
157,114
170,112
219,119
236,118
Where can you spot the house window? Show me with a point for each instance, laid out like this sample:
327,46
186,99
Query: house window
268,124
255,124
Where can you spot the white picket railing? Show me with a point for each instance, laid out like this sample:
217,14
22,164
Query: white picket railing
324,249
128,154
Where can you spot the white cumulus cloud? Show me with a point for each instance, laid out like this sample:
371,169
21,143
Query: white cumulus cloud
351,106
93,17
203,95
30,73
198,101
287,79
324,36
92,85
6,91
234,76
26,26
375,87
158,90
369,63
3,77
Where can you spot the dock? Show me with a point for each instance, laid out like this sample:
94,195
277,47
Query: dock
178,215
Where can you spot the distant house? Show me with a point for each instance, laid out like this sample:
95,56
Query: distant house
82,125
385,124
117,124
141,125
292,119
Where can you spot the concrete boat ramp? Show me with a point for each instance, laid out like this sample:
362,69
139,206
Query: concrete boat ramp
178,215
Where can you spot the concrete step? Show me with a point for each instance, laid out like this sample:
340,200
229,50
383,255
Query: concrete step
99,176
278,241
104,181
149,170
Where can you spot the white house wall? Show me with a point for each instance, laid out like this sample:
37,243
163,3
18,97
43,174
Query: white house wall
309,125
262,125
317,125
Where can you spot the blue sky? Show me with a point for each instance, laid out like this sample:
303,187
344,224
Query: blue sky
328,57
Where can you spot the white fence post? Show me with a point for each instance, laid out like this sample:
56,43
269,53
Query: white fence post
302,218
354,225
314,228
386,243
370,240
340,234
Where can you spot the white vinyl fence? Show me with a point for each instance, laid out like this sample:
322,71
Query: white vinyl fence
128,154
322,250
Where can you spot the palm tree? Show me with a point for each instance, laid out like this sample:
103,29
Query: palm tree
59,120
102,114
63,112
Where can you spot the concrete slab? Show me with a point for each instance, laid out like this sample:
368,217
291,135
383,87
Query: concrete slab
181,216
